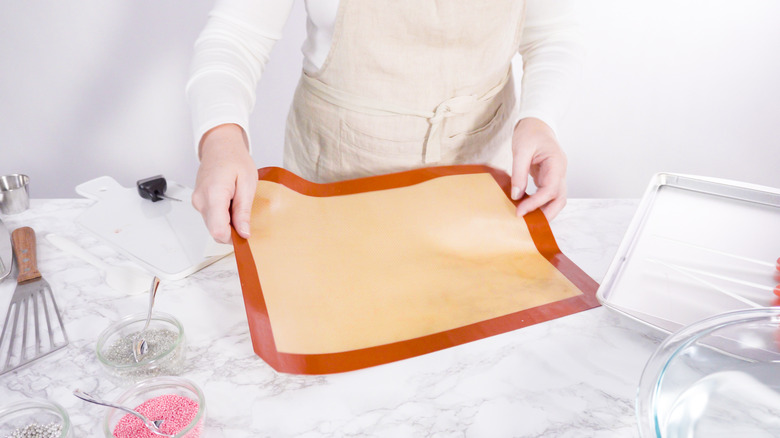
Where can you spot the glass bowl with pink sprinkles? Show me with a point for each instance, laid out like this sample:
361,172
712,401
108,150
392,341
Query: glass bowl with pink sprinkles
177,401
34,417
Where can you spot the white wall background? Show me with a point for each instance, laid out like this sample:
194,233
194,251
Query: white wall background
95,88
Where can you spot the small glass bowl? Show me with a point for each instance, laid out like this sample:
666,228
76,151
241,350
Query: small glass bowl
115,354
716,377
33,411
155,387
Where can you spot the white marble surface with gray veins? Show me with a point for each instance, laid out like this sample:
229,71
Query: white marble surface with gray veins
572,377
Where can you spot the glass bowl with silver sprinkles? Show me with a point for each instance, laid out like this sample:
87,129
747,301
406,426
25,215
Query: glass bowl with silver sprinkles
165,357
34,418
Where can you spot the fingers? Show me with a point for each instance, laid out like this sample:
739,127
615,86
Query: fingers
213,203
536,153
550,196
551,201
552,208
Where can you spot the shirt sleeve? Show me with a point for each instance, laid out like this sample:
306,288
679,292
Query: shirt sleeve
229,58
552,53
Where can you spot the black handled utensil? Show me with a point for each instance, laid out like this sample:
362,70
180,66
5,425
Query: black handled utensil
154,188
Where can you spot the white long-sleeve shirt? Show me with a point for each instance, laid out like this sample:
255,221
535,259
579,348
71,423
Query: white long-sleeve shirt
233,49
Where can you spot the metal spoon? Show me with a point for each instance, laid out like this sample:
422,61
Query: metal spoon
154,426
140,346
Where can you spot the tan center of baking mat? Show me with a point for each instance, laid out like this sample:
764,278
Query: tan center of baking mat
348,272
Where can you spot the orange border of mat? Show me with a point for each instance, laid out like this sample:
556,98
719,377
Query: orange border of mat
260,324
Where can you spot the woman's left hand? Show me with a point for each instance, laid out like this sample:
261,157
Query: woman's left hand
536,152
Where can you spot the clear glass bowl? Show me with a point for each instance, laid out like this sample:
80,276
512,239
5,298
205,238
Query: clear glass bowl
19,415
167,348
150,389
716,377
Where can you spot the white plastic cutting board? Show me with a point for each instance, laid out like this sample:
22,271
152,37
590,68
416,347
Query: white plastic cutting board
167,238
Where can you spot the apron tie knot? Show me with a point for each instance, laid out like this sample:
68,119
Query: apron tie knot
451,107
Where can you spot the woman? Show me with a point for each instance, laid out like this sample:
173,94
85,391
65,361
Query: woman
386,86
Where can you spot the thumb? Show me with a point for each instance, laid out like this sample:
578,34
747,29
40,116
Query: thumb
242,205
521,165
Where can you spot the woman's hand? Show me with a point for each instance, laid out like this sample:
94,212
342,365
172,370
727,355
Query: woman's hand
536,151
226,182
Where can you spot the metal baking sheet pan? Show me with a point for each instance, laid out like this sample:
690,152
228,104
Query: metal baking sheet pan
696,247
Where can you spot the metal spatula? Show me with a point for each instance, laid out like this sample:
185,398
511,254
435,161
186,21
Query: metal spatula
33,326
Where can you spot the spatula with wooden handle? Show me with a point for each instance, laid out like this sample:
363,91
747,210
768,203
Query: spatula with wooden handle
33,325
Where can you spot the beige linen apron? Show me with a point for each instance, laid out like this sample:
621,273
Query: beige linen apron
408,84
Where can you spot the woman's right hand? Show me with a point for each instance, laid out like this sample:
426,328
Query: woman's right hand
226,182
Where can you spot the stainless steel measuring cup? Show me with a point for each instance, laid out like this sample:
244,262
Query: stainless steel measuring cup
14,193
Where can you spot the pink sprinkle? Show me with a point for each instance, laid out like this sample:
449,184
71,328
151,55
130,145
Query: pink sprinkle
177,411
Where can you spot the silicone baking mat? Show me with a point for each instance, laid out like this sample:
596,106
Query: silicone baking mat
347,275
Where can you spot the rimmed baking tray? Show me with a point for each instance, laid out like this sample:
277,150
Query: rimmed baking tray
685,254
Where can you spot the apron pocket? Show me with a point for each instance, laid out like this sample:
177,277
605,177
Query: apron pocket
492,121
482,144
363,154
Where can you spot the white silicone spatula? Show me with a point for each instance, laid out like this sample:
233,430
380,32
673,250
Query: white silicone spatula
127,279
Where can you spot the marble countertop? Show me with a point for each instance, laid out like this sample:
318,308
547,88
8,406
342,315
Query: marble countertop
572,377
